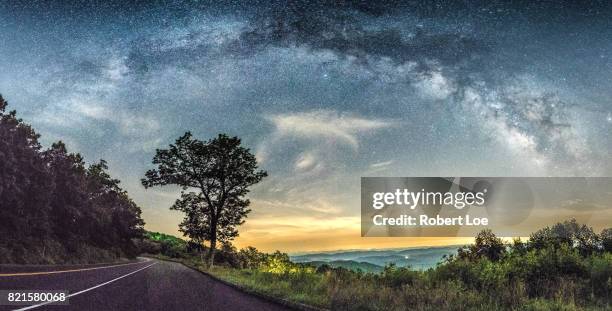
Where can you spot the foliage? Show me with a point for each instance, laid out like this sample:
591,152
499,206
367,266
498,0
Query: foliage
347,264
486,245
303,286
606,239
538,274
222,171
568,233
54,207
157,243
250,258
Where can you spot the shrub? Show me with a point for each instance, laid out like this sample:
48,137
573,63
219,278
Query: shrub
394,276
601,276
543,270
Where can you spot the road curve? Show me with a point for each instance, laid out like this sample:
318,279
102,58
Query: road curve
144,285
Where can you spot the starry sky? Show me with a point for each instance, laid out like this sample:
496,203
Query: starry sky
322,92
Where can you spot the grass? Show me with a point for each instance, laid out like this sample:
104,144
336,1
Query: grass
300,287
397,288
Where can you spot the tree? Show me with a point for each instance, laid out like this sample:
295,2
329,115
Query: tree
222,171
486,245
53,208
251,258
194,222
278,263
70,199
568,233
112,212
606,239
25,188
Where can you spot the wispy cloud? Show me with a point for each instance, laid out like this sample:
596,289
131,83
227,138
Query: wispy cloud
306,161
326,124
381,164
318,141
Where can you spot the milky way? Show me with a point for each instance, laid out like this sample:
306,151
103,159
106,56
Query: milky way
323,93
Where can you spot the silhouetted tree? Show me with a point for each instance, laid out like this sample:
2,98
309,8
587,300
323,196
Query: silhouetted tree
52,207
194,223
70,200
113,211
25,187
221,170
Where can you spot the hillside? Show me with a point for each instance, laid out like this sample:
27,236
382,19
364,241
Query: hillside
417,258
349,264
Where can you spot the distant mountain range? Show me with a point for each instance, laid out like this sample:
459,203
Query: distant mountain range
375,260
349,264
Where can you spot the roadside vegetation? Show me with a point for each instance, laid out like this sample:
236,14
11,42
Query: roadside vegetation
54,207
563,267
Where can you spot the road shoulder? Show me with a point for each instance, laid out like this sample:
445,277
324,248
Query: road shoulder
280,301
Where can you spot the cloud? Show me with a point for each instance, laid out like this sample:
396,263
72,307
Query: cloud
315,207
381,164
309,154
138,125
378,167
305,161
326,124
318,141
89,109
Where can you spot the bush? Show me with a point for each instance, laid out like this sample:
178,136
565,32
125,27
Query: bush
544,270
601,276
394,276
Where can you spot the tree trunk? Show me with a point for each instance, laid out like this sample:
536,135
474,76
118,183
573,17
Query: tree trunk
213,246
203,256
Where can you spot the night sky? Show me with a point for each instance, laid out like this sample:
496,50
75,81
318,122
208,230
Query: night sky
321,92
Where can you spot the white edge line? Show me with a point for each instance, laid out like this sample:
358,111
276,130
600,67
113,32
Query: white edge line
18,274
85,290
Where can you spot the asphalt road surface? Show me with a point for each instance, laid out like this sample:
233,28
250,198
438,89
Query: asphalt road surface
144,285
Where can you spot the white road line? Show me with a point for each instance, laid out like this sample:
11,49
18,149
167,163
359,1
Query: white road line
70,270
86,290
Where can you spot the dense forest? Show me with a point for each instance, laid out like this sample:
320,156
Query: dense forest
54,208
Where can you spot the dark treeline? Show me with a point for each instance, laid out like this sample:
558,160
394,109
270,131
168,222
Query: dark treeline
53,207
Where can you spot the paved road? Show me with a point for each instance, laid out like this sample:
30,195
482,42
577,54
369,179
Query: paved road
145,285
